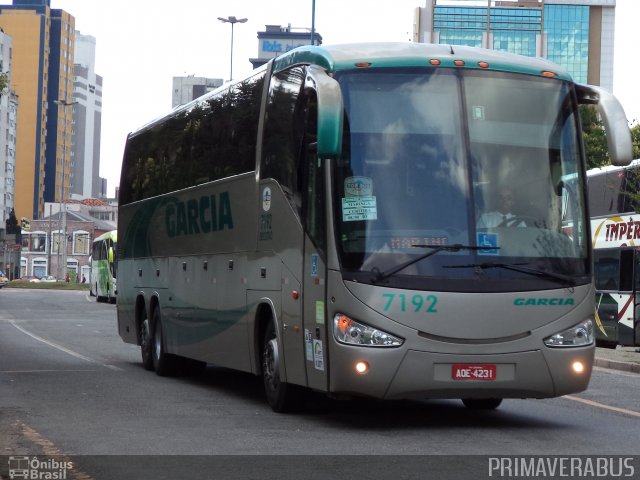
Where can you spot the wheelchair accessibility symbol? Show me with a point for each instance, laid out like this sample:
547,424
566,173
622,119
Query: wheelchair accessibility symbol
488,240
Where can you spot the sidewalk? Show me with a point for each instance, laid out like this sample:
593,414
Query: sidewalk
622,358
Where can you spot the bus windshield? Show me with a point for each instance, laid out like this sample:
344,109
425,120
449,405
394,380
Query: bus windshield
442,157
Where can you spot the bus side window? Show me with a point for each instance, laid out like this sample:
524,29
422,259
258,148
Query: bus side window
283,133
636,271
607,269
626,270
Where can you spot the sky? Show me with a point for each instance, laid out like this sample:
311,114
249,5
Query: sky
142,44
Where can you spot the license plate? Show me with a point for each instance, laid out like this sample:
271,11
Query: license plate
463,371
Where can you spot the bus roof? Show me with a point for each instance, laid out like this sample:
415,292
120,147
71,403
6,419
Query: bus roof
334,58
349,56
113,234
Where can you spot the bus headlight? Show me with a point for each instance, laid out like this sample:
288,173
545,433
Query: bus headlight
346,330
576,336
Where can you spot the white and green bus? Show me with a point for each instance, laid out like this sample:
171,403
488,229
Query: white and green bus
614,203
104,267
316,223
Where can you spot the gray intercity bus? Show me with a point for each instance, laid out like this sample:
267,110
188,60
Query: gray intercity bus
317,223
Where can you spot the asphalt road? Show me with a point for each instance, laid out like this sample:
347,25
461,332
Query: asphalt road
70,387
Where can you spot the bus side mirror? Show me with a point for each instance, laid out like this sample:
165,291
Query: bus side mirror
614,119
330,111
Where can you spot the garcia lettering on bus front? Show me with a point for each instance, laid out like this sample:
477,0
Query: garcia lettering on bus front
538,301
202,215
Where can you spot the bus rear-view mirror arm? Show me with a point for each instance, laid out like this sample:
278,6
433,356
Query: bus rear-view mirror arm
614,119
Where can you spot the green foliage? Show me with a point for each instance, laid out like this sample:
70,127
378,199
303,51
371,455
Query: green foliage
4,82
595,141
12,223
635,139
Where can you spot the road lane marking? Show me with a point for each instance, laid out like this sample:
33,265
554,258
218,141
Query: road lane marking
50,449
603,406
61,348
47,371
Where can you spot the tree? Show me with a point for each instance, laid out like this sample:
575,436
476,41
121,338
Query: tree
635,139
4,82
12,223
595,141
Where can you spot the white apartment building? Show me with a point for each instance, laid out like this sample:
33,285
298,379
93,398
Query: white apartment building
87,118
8,130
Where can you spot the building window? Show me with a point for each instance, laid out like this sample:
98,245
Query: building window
81,243
39,267
56,241
34,242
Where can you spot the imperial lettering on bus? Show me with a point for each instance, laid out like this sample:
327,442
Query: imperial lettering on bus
626,230
194,216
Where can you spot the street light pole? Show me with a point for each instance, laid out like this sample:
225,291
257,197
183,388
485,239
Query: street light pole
232,21
63,208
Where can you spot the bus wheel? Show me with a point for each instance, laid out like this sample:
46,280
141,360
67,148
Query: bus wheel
482,403
98,297
163,363
146,345
282,396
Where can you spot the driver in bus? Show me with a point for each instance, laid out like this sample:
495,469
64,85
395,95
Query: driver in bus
503,215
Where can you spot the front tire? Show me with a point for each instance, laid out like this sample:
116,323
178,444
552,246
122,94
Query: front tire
482,403
282,397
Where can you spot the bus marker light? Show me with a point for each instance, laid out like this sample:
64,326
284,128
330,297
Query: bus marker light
362,367
578,367
546,73
363,64
483,64
295,294
434,61
458,63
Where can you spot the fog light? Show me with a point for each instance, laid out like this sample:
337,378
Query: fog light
362,367
578,367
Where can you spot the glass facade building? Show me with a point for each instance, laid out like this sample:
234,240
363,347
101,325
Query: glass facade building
576,35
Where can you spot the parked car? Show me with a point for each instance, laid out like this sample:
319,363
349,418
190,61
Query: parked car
48,278
3,279
28,278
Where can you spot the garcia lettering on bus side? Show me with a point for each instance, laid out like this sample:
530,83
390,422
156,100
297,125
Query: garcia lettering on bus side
203,215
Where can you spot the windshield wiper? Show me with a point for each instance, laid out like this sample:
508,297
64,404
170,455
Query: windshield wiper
379,276
517,267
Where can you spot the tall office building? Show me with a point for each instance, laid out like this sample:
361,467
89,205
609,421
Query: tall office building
276,40
191,87
8,117
576,34
87,119
42,76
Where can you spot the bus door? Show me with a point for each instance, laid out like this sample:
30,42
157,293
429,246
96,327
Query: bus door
617,296
314,281
316,329
635,334
290,158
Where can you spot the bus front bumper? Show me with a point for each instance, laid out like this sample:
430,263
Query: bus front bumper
398,374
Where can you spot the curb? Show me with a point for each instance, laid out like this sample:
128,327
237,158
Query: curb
612,364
